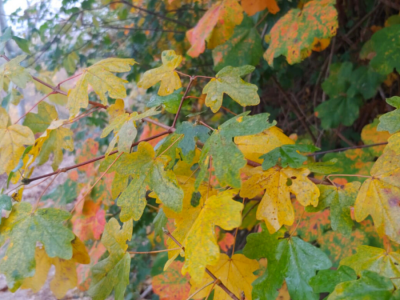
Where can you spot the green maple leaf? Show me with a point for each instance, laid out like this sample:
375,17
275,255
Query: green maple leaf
19,234
146,169
384,48
290,259
170,102
370,286
125,131
112,272
376,260
243,48
227,159
287,155
391,120
41,121
339,199
324,167
14,72
326,280
228,81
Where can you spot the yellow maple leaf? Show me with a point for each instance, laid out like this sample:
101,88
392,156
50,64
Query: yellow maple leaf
379,196
100,78
12,141
276,208
253,146
201,248
170,80
65,277
235,272
116,109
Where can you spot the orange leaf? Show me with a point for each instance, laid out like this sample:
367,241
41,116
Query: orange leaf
215,27
171,284
251,7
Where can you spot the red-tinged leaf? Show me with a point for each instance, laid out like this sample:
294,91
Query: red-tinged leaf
251,7
95,254
89,222
89,150
215,27
312,225
337,246
294,34
225,239
171,284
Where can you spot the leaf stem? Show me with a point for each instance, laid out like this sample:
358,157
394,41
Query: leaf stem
347,148
151,252
36,104
200,289
192,78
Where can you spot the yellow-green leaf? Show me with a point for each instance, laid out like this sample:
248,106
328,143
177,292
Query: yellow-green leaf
170,80
100,78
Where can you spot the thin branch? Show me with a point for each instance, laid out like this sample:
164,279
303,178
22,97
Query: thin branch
347,148
181,103
220,284
43,192
294,108
36,104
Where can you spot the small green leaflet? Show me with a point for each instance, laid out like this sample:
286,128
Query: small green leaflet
326,280
339,199
41,121
170,102
287,155
5,203
159,222
228,81
391,120
385,46
289,259
323,167
14,72
24,228
220,144
370,286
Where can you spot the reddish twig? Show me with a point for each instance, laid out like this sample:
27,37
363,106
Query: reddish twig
220,284
36,104
183,99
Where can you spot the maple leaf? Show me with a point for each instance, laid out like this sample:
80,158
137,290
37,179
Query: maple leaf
41,121
346,88
289,259
243,48
227,167
370,135
287,155
171,285
391,120
229,81
65,277
170,80
276,208
201,248
24,228
116,109
379,196
14,72
55,137
253,146
385,53
216,26
339,199
146,170
125,131
377,260
12,141
293,35
251,7
235,272
326,280
370,286
100,78
170,102
112,272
